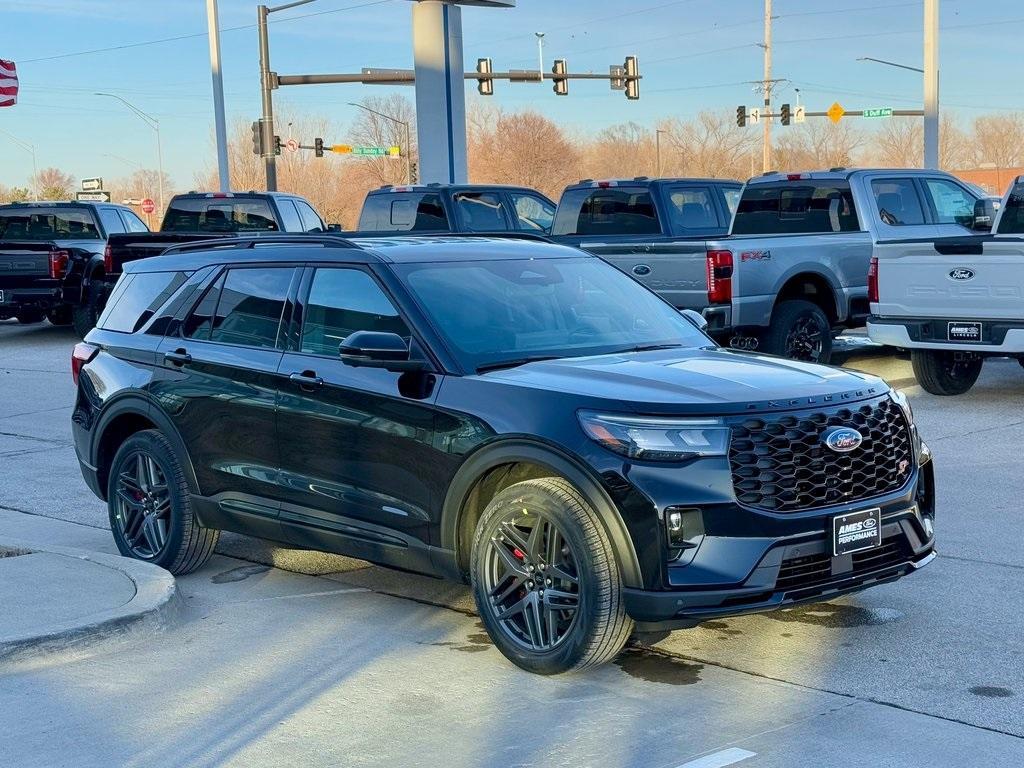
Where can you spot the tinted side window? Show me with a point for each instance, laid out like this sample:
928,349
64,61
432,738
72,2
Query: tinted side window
290,221
953,204
310,219
692,208
219,214
341,302
112,223
480,212
1012,220
610,211
250,307
197,325
147,292
534,213
897,202
793,208
132,222
732,198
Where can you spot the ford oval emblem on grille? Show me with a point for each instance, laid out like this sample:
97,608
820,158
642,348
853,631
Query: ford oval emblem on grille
842,439
961,273
641,270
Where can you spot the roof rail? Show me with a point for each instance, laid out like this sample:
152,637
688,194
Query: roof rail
500,235
327,241
641,178
837,169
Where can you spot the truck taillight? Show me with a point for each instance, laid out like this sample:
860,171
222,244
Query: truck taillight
80,355
873,280
719,277
108,260
58,264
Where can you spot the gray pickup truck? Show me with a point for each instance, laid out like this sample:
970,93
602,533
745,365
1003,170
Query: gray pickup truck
954,298
794,269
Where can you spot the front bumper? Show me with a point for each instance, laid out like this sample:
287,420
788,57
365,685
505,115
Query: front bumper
1004,337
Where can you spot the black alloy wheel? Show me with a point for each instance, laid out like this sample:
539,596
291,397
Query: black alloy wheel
799,330
805,340
532,581
142,506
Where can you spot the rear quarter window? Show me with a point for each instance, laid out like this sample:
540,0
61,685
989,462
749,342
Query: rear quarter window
795,208
608,211
137,297
1012,220
220,214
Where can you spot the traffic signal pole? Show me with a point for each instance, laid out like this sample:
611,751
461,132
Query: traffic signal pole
931,83
266,88
766,152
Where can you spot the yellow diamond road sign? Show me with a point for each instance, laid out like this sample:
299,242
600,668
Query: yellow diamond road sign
835,112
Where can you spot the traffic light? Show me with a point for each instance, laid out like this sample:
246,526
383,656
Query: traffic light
318,147
785,114
257,138
414,172
741,117
560,70
632,68
277,145
484,84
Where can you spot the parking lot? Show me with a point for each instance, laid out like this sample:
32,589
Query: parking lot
327,661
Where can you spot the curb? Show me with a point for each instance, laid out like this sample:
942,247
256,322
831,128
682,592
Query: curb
155,606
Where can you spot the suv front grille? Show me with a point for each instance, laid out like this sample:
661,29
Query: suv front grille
780,464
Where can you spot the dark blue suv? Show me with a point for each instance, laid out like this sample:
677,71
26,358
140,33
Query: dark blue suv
502,410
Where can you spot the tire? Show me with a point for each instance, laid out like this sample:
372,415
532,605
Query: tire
940,373
799,331
85,315
29,317
60,316
137,521
592,632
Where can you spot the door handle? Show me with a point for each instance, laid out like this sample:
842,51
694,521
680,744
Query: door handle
177,357
306,380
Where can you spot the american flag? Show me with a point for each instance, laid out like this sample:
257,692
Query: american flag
8,83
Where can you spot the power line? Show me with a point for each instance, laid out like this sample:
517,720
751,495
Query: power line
126,46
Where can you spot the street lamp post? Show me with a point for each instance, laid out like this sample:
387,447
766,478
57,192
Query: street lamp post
30,148
657,142
153,123
408,137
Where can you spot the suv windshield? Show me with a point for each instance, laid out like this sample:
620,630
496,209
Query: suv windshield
495,312
25,223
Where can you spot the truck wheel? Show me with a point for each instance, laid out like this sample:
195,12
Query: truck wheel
85,315
29,317
545,579
945,373
799,331
60,315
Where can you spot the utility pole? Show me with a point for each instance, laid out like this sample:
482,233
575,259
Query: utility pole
931,83
267,121
220,127
766,152
657,142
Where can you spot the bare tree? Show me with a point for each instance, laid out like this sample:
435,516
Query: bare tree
376,131
53,184
900,144
819,145
999,140
14,194
521,148
710,145
622,151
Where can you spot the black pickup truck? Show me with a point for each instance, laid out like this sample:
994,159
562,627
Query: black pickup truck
457,208
51,258
198,216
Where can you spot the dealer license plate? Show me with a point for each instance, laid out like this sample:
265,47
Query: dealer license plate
856,531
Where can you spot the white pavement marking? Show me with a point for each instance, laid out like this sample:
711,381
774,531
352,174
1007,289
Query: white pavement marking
720,759
307,594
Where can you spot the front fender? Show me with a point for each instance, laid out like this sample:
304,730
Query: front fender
561,464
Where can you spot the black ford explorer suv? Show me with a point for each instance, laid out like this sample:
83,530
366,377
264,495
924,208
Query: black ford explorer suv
514,413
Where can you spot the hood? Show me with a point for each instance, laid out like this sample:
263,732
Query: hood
708,380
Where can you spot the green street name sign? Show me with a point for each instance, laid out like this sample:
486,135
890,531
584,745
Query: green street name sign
878,112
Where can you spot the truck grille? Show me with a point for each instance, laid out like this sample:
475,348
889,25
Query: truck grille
780,464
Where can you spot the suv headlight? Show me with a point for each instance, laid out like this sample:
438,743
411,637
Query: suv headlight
657,439
904,403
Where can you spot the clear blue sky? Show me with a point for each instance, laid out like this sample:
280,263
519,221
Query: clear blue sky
694,55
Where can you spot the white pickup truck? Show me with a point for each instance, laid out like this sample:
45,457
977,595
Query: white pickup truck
953,301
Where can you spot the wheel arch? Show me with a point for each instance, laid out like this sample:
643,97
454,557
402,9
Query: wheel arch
124,418
814,287
499,465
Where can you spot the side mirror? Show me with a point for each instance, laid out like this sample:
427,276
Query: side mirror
984,215
696,318
334,227
374,349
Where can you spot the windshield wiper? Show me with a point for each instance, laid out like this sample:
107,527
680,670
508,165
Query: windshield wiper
648,348
503,364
